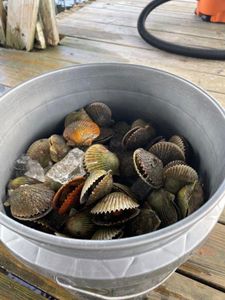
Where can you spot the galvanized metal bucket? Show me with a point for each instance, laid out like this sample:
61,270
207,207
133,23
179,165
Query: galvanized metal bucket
123,268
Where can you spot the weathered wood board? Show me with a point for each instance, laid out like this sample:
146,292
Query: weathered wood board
2,24
21,23
47,12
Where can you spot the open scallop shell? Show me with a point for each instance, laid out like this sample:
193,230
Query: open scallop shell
138,137
149,167
81,133
68,195
98,157
177,176
115,208
31,202
167,152
97,185
107,234
99,113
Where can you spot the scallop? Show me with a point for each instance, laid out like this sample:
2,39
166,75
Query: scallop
138,137
79,115
99,113
58,147
98,157
107,234
80,225
148,167
31,202
167,152
40,151
81,133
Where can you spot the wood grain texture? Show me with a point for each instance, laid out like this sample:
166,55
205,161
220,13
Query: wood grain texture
2,24
47,12
39,34
21,23
208,263
11,264
179,287
11,290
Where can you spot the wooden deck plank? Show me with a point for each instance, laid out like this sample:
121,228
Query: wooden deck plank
179,287
14,266
222,218
11,290
208,263
2,24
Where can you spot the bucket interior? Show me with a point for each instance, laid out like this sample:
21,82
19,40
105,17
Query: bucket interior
37,108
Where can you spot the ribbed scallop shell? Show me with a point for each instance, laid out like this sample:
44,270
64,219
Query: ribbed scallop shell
68,195
107,234
97,185
79,115
105,135
181,172
58,147
98,157
99,113
113,202
21,180
81,133
31,202
167,152
180,141
174,163
80,225
40,151
118,187
149,167
139,123
138,137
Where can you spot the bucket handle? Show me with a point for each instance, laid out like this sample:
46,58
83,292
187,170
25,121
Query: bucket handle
61,281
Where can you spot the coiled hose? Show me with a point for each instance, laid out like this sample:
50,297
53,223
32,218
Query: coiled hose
169,47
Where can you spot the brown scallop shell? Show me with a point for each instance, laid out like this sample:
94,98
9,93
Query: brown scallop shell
98,157
40,151
68,195
21,180
181,142
167,152
58,147
120,128
126,164
105,135
149,167
74,116
174,163
99,113
139,123
96,186
81,133
138,137
31,202
118,187
107,234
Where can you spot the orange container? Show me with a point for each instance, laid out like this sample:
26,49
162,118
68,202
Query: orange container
213,8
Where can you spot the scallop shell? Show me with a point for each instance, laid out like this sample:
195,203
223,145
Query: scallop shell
31,202
68,195
21,180
190,198
58,147
81,133
140,189
156,140
80,225
174,163
40,151
178,176
113,202
118,187
138,137
167,152
126,164
98,157
99,113
74,116
139,123
179,141
162,202
147,221
120,128
97,185
148,167
107,234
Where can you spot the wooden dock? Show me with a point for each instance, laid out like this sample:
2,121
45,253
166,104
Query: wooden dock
105,31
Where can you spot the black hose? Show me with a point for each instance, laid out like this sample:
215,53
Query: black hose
169,47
